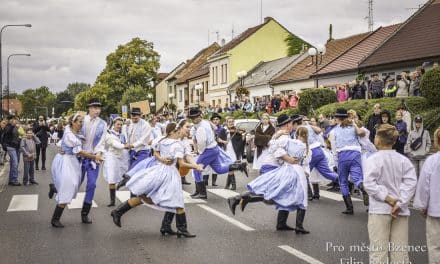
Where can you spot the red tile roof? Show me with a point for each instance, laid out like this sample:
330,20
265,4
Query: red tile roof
161,76
417,38
334,48
351,58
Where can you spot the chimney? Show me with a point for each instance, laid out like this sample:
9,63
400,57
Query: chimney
267,19
223,42
330,33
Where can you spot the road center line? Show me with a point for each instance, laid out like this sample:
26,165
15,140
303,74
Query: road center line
226,218
300,255
28,202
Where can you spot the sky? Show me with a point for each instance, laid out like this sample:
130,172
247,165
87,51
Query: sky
69,40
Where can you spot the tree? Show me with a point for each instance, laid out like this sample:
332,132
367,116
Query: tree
430,86
134,64
65,99
99,91
134,94
77,87
295,45
37,102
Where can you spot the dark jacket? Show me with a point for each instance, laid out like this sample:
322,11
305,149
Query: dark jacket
42,132
373,122
262,138
11,138
358,91
220,132
238,142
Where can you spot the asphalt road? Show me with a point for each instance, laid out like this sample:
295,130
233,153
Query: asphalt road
26,235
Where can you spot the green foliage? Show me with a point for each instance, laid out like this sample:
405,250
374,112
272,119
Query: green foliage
431,119
294,44
134,94
430,86
289,112
37,102
100,92
312,99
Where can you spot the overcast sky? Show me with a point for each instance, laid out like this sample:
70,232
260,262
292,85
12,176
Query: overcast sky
69,40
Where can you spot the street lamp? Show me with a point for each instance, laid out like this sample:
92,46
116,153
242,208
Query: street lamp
1,65
198,87
7,74
171,96
316,54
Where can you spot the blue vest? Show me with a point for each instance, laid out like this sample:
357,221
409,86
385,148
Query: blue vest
345,137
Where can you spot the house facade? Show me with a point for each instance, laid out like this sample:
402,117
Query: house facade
164,88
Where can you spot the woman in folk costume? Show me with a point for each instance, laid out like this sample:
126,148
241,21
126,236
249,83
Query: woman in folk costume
66,167
263,134
116,157
234,148
286,186
160,185
347,152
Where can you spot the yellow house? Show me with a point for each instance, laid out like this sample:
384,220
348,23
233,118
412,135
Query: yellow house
264,42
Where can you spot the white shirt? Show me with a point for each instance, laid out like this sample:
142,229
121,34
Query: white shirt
138,134
388,173
428,188
204,136
90,125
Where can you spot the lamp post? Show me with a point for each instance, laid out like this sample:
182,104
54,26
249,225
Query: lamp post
7,74
1,65
316,54
198,87
150,96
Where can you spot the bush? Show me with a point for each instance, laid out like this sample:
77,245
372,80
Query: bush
312,99
430,86
364,108
431,119
289,112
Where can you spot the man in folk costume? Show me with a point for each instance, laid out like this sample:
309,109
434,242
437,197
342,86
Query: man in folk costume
94,131
210,153
138,135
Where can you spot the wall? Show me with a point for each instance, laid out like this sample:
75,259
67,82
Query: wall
205,81
293,86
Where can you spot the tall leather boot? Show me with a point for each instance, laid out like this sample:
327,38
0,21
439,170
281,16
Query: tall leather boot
309,191
228,182
184,182
181,225
57,216
233,183
203,194
365,196
52,190
206,179
125,179
250,198
112,197
166,224
197,191
85,213
348,204
282,221
316,191
214,179
241,166
299,229
233,202
119,211
350,187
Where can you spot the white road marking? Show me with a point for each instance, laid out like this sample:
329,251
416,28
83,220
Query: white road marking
225,193
27,202
335,196
123,195
226,218
300,255
187,199
78,201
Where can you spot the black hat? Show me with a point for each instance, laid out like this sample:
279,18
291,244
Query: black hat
215,115
94,102
418,119
194,112
283,119
341,113
296,118
136,111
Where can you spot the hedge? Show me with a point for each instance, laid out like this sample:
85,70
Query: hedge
430,86
312,99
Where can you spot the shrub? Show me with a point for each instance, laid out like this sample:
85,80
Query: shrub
430,86
312,99
431,119
289,112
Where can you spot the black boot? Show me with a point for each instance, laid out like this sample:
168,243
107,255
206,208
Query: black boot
214,179
52,190
250,198
309,191
316,191
335,187
233,183
365,197
197,191
85,213
132,195
282,221
166,224
182,226
202,191
112,197
184,182
206,179
228,182
241,166
299,229
125,179
57,216
119,211
348,205
36,167
233,202
350,187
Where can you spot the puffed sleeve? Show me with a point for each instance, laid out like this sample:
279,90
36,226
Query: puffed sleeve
278,146
72,141
177,150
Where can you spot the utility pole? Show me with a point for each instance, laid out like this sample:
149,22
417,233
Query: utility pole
261,11
370,16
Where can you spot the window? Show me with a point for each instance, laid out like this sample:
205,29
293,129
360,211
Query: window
191,99
216,75
180,95
226,73
213,103
222,74
175,91
202,92
219,102
213,77
206,87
